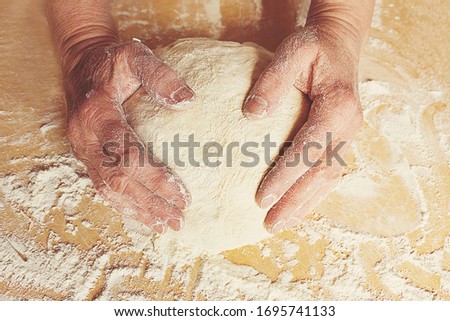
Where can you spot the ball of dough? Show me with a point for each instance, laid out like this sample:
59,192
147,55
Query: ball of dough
221,176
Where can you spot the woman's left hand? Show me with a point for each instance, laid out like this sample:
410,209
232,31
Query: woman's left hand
321,61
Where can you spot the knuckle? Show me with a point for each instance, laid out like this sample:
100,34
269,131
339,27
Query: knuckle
347,102
353,111
100,186
137,54
77,143
162,72
291,44
116,181
87,113
110,131
295,46
156,181
127,60
273,74
349,106
132,164
141,48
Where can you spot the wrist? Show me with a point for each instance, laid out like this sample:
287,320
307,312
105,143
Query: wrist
78,27
81,46
344,22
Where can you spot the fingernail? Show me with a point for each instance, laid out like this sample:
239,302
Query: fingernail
185,195
290,223
182,94
255,107
277,227
283,225
268,201
175,224
158,228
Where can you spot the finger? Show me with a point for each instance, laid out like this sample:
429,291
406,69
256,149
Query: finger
320,134
270,89
124,205
290,64
134,160
120,147
306,193
154,207
161,81
304,153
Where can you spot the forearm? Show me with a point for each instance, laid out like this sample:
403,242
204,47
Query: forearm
352,18
78,25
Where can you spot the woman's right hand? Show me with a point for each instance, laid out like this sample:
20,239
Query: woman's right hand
96,85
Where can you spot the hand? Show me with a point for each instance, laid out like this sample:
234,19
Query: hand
321,61
96,85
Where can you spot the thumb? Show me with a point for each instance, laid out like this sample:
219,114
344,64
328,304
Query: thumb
159,80
270,89
289,64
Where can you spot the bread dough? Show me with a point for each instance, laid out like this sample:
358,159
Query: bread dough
223,214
